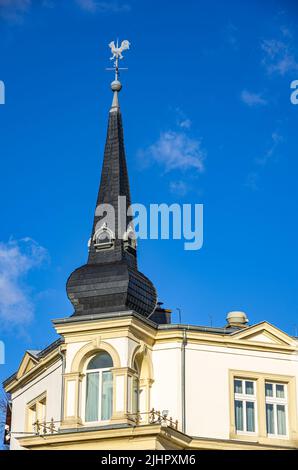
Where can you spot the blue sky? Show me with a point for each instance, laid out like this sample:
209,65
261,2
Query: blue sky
210,79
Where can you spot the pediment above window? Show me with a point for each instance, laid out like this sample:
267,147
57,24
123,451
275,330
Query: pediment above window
266,334
28,362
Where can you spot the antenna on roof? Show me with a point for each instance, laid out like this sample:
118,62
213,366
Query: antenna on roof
179,313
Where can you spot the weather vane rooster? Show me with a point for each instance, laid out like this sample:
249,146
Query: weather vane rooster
117,51
117,54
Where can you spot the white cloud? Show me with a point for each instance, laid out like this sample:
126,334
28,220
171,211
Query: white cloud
276,139
185,123
252,99
13,10
253,177
252,180
278,57
285,31
232,36
176,151
17,259
182,120
97,6
179,187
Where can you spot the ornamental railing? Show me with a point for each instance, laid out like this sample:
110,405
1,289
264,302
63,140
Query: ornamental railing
41,428
45,427
153,417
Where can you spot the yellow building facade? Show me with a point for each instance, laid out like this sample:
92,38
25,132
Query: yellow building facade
147,359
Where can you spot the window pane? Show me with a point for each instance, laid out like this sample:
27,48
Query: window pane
270,418
92,391
238,386
249,387
107,395
281,420
250,416
239,415
101,361
280,391
269,390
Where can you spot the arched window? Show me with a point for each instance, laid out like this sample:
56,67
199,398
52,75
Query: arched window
103,238
99,388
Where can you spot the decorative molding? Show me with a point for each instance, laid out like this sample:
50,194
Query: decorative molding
149,437
278,336
27,363
99,243
91,349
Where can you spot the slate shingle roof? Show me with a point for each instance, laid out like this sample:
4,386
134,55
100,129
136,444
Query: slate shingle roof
111,281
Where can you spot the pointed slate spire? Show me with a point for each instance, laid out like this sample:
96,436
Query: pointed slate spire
110,281
114,191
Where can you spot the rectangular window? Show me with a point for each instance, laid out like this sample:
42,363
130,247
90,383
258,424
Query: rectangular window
245,405
276,409
99,396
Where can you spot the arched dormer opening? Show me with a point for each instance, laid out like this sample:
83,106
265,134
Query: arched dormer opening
129,239
103,238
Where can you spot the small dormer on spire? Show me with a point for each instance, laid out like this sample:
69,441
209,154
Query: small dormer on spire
116,55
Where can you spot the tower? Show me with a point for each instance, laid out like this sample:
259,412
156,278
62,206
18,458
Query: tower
110,280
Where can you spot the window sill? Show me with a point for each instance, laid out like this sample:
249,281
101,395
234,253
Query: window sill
96,424
268,440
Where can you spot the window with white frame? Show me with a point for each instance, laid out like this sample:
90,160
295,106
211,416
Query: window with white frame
276,409
99,388
245,405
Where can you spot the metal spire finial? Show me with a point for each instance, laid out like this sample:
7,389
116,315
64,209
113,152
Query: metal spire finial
116,55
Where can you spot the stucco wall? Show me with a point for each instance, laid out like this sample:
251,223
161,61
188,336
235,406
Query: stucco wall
207,382
50,382
166,388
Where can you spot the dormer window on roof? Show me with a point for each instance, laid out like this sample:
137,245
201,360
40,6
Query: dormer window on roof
103,238
130,242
